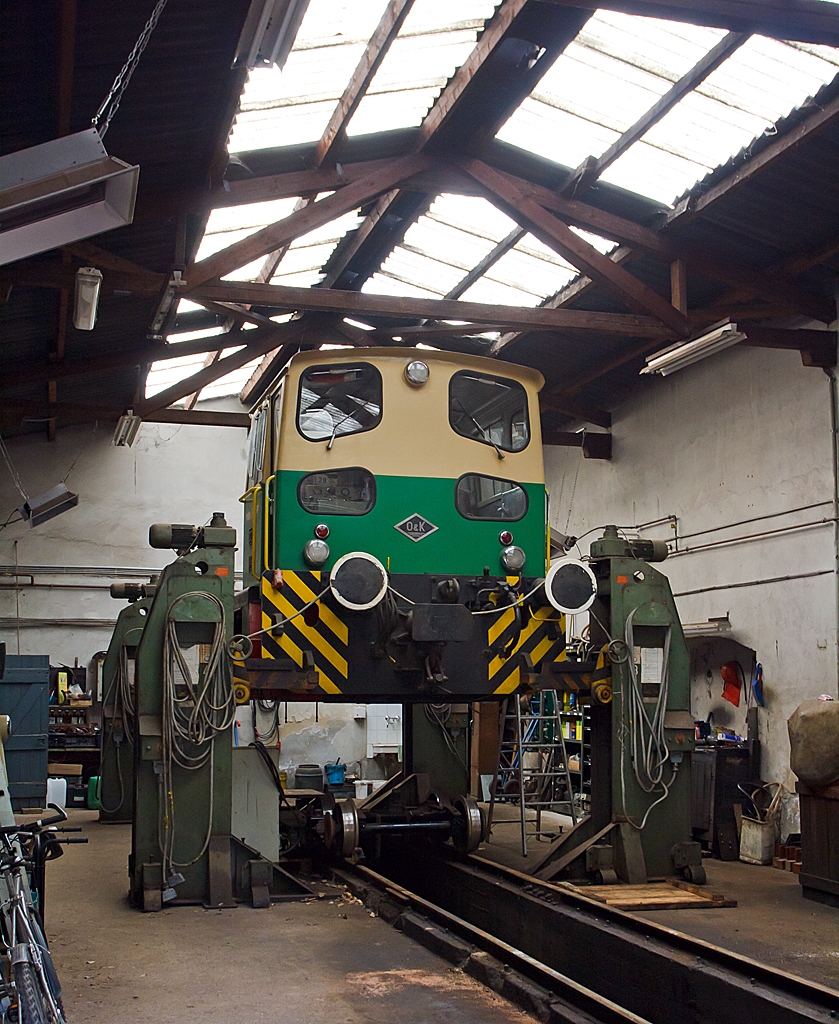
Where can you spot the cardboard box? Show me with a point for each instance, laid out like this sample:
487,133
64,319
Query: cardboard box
64,770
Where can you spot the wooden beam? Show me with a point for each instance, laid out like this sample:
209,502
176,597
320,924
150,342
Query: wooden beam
679,286
817,348
200,417
262,340
819,120
292,184
556,234
272,237
594,445
804,21
666,245
20,374
453,93
103,259
592,167
491,258
354,303
374,53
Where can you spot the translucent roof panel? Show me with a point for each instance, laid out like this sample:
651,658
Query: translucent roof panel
620,65
455,235
293,105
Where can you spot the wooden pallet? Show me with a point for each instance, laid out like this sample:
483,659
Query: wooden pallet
668,895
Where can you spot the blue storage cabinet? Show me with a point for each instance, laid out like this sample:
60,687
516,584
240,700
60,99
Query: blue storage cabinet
24,697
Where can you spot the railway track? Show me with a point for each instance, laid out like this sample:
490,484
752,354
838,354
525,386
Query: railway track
571,960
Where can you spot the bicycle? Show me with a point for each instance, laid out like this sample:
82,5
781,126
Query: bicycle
30,992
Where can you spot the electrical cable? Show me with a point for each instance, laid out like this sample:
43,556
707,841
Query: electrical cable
121,700
194,715
14,473
440,714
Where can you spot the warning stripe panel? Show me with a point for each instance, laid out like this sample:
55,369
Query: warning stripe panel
534,641
309,633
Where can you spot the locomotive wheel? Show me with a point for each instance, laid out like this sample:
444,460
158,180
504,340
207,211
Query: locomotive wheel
348,833
468,831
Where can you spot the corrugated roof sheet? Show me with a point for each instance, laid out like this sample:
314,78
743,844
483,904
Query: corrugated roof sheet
619,65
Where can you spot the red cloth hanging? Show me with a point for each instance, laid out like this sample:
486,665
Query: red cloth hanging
733,680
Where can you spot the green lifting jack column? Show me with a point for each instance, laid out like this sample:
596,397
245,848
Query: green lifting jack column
116,771
181,843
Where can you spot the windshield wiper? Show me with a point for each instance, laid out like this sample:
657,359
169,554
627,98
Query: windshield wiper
486,434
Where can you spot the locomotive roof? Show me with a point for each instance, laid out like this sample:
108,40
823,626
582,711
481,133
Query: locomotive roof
498,368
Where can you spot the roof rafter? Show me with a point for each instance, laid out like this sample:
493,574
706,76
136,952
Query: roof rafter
592,167
559,237
353,303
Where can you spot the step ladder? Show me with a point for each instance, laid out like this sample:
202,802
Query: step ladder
532,768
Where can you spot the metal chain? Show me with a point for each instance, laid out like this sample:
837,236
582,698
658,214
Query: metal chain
112,100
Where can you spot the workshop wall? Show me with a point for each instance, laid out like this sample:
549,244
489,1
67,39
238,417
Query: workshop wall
740,435
179,474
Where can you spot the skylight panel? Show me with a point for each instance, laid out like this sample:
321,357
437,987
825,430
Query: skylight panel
384,283
490,290
232,383
617,68
759,84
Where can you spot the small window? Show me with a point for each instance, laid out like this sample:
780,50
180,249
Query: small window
485,497
338,492
492,410
339,400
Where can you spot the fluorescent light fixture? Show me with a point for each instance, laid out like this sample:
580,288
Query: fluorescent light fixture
86,302
60,192
167,303
48,505
269,32
683,354
126,429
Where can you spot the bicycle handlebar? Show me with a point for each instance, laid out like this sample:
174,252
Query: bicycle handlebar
33,827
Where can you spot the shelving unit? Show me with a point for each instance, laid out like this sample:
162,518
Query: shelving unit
576,731
73,736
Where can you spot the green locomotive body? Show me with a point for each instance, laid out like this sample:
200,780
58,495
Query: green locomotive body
430,463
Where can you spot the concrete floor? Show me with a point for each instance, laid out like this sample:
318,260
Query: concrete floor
772,922
322,962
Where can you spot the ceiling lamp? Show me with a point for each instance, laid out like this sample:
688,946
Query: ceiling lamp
269,32
126,429
46,506
60,192
678,356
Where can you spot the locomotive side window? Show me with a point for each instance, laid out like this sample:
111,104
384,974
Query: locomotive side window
492,410
485,497
339,400
338,492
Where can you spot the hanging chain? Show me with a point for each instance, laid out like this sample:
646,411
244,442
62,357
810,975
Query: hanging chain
12,471
111,103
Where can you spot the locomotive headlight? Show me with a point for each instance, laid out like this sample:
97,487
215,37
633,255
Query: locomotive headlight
513,558
316,551
417,373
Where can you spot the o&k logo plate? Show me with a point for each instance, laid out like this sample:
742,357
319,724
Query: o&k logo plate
415,527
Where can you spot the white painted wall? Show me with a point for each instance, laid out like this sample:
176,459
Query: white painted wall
739,435
178,474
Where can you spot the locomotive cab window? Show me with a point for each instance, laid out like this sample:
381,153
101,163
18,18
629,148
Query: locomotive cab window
338,492
485,497
492,410
339,400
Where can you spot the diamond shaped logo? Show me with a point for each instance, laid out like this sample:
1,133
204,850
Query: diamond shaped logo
415,527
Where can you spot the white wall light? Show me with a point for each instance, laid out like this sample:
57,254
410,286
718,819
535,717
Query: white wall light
126,429
683,354
86,302
60,192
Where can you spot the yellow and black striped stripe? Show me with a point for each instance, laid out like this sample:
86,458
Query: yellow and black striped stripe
327,639
542,638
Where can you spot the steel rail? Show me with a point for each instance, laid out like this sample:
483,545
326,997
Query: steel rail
569,1001
641,967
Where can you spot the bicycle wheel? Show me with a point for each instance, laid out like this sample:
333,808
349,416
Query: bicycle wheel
31,1008
46,959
